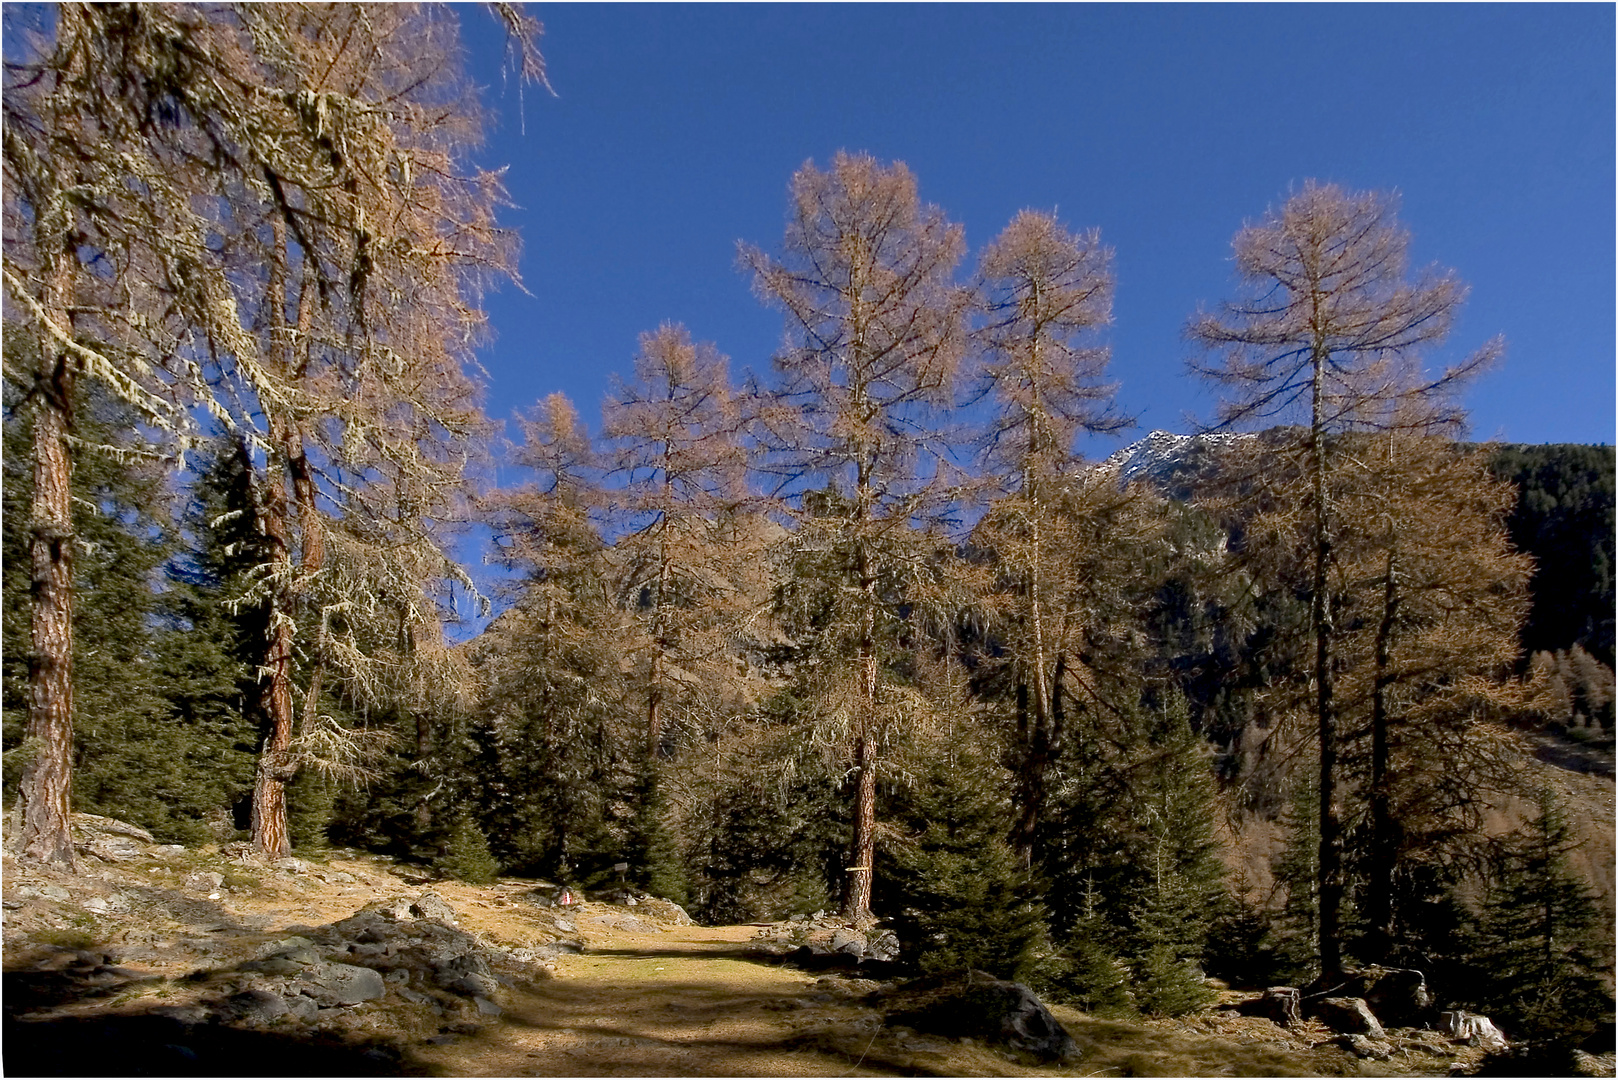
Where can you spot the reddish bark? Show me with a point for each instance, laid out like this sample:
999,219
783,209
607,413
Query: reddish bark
45,788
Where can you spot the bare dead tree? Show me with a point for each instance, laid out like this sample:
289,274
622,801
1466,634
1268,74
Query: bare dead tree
1331,327
875,331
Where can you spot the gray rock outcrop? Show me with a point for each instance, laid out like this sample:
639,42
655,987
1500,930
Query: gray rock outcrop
340,984
975,1004
1348,1016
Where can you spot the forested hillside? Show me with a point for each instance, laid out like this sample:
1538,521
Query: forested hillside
858,630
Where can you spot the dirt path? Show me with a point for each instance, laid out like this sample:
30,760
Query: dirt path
684,1002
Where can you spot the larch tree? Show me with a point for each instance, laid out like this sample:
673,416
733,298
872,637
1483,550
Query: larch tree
875,331
1436,600
1331,328
555,662
676,444
264,210
1046,293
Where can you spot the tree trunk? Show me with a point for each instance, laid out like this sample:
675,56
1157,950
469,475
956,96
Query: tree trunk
1036,748
44,791
275,768
654,706
1331,854
862,848
1384,843
862,851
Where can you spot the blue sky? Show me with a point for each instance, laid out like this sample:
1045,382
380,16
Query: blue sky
675,129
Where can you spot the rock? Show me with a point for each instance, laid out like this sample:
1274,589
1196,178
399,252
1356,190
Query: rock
113,849
1348,1016
1397,996
256,1006
181,1014
301,1008
413,996
848,941
341,984
1470,1029
559,948
432,906
338,877
1280,1004
486,1007
96,904
474,986
205,881
396,908
273,965
466,974
168,851
55,892
1362,1046
566,926
975,1004
291,865
112,827
882,946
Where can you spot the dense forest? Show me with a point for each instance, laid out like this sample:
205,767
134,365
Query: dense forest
858,630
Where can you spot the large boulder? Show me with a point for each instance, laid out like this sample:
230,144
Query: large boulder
341,984
1363,1046
113,849
1398,996
975,1004
433,906
94,823
819,942
255,1007
666,910
1349,1016
466,974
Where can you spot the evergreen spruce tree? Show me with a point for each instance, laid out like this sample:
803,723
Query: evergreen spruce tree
763,844
958,895
1175,806
159,738
1295,871
653,852
467,858
1540,955
1241,939
1086,971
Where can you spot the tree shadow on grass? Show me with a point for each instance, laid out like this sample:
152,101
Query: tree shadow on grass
140,1044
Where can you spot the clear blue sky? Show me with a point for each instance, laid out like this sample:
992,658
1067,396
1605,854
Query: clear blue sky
676,128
